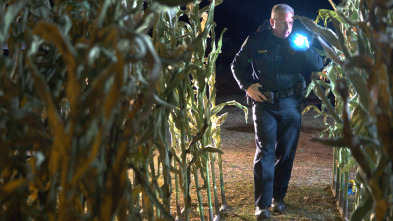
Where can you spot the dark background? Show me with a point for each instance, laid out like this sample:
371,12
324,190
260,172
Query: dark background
242,18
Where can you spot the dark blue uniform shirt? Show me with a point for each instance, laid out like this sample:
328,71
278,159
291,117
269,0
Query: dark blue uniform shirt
270,61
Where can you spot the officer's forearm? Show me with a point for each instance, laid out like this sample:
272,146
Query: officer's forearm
312,60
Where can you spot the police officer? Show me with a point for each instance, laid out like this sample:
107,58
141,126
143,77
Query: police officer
270,71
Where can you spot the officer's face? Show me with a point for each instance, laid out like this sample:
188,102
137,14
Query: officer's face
282,24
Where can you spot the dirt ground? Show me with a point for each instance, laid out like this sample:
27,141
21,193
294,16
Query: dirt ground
309,196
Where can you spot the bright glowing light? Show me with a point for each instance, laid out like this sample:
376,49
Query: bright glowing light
300,42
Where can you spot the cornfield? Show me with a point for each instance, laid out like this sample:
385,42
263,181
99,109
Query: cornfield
108,110
359,124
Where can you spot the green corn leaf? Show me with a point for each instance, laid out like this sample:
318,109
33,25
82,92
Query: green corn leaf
202,151
330,52
324,84
66,24
206,8
57,128
8,17
221,119
324,15
322,53
363,210
366,141
360,62
211,13
320,93
219,107
326,33
145,184
360,86
345,21
349,166
362,43
331,73
95,61
309,88
323,132
340,35
358,117
164,103
103,12
50,32
114,94
310,107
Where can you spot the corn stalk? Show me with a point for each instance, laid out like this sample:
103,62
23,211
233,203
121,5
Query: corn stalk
194,124
360,77
88,93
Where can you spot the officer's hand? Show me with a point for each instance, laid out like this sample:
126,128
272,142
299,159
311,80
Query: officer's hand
254,92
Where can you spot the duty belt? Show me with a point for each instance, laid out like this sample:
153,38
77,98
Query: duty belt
271,95
279,94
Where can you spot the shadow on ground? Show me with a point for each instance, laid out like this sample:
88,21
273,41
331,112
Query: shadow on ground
303,203
244,129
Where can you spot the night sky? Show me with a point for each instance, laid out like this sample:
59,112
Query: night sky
242,17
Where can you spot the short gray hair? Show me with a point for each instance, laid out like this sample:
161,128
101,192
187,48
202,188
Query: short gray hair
282,8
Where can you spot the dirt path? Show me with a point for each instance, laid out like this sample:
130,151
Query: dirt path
309,196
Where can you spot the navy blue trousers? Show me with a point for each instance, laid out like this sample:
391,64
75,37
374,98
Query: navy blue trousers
277,128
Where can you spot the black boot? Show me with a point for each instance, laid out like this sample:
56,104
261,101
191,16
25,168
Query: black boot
278,205
262,213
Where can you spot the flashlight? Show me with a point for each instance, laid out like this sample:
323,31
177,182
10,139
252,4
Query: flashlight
299,42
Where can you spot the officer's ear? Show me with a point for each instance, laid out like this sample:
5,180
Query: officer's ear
272,23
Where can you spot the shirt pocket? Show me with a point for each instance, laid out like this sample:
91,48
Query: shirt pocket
261,59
